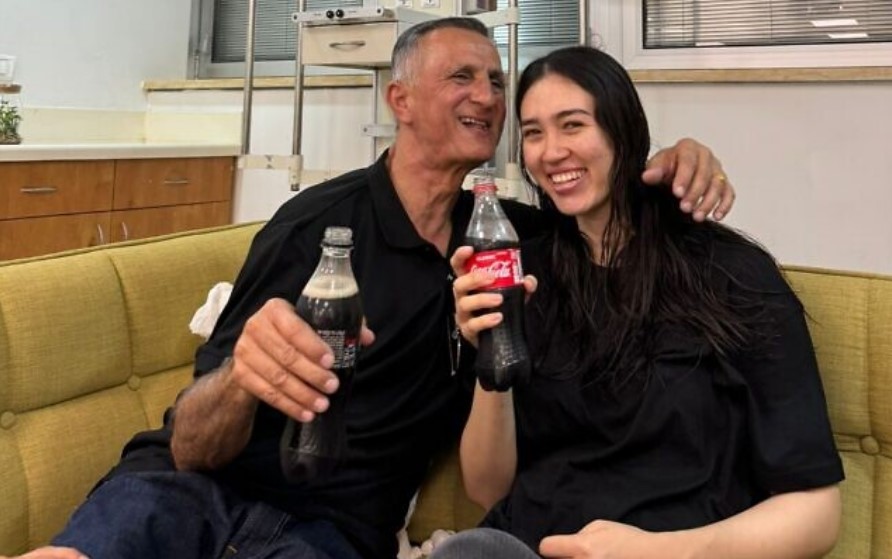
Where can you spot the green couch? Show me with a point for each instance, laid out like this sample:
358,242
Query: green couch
94,345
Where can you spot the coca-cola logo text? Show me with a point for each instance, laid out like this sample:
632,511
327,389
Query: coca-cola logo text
502,265
496,269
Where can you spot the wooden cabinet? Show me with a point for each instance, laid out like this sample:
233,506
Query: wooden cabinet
142,183
137,224
55,188
20,238
49,206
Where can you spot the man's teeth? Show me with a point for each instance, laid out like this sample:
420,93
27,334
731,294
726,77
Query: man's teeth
565,177
474,122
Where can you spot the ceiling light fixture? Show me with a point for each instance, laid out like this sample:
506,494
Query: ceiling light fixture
840,22
843,36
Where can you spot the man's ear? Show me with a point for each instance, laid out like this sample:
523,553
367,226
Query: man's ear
399,100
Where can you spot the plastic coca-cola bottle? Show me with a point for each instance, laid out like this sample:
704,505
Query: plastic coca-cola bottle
502,356
330,304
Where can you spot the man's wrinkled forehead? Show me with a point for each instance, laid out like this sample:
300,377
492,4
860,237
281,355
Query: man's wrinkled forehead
470,51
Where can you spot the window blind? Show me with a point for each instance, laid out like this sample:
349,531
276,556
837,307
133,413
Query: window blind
542,23
274,32
718,23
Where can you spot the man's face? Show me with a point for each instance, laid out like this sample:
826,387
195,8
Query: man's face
456,102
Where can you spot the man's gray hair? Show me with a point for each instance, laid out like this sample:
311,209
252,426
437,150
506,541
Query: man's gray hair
406,46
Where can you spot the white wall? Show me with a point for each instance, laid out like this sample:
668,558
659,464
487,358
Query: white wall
93,53
812,163
332,143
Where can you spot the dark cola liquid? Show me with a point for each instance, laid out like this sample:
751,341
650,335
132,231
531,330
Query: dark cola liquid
314,449
502,357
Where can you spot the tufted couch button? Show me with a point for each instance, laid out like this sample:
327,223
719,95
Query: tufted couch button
134,382
7,420
870,445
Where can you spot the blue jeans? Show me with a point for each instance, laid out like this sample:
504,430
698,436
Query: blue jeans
183,515
483,543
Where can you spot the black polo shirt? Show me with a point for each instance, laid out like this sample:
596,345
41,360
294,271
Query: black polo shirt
700,437
406,402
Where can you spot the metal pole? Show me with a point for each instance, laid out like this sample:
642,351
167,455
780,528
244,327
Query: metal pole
585,36
376,84
249,79
298,98
511,119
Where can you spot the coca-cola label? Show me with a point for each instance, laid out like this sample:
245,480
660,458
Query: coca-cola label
343,347
502,265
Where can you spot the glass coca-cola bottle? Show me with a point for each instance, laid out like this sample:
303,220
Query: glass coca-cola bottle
502,356
330,304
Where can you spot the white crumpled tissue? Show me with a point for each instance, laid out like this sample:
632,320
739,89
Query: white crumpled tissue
205,317
407,551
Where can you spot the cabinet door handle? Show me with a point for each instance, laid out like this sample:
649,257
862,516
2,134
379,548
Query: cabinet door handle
38,190
347,45
176,182
125,232
101,233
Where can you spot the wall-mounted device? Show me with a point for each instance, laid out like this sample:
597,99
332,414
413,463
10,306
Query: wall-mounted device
477,6
341,15
7,68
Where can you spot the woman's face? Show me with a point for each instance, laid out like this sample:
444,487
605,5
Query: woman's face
565,150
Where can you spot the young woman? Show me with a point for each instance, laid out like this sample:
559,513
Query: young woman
675,407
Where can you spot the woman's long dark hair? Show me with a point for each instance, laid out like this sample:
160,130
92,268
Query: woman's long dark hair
655,266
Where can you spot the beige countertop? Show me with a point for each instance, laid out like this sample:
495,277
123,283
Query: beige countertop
111,150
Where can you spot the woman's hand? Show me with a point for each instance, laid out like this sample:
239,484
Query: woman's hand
603,539
784,526
51,553
472,300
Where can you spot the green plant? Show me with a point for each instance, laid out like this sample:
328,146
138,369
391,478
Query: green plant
9,123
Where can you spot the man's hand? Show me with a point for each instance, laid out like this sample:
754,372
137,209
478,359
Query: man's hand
279,359
603,539
696,178
51,553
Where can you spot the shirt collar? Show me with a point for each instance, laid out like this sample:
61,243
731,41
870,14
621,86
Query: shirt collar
397,228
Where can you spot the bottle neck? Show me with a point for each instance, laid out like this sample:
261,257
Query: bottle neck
336,251
485,200
486,188
335,261
488,219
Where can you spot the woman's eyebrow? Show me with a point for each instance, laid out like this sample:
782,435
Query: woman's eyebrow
560,115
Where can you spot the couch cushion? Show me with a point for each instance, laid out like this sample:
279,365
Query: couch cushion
63,329
162,298
159,391
442,502
13,496
67,447
850,319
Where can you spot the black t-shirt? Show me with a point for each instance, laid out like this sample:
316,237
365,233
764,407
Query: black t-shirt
406,403
704,438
